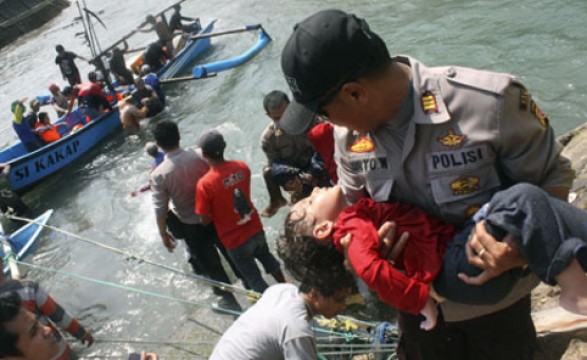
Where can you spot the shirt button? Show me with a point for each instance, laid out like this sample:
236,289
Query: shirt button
450,72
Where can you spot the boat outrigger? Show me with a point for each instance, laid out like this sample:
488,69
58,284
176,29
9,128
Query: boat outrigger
23,241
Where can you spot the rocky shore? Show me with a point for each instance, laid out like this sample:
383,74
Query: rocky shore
568,341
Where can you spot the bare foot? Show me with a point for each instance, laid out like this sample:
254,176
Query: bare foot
573,283
271,210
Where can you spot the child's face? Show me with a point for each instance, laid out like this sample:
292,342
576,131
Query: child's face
324,204
330,306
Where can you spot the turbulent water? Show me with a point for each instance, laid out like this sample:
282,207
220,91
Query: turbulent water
544,42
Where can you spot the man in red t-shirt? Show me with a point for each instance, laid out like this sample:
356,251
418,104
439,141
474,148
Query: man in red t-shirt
223,197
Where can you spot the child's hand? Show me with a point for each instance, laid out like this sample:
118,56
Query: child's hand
430,313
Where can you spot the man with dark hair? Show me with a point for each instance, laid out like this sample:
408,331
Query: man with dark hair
174,180
175,22
145,96
279,324
292,162
118,66
161,29
444,139
224,198
154,54
22,336
67,66
91,98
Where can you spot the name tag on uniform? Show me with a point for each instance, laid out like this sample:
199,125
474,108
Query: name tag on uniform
458,159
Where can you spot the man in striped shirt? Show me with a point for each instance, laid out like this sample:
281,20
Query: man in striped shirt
36,301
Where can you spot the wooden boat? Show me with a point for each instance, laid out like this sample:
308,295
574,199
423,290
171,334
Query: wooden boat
24,240
28,168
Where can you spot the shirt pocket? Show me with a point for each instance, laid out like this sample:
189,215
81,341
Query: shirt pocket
462,179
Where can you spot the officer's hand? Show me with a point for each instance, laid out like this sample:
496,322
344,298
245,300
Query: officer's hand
391,248
168,241
494,257
345,242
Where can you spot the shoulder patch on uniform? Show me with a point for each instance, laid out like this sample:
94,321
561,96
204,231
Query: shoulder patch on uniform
534,109
362,145
493,82
451,139
528,104
429,104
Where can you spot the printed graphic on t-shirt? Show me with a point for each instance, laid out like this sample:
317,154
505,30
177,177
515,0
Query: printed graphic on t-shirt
241,206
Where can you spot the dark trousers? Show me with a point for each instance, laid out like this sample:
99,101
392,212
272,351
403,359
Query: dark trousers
203,245
551,233
508,334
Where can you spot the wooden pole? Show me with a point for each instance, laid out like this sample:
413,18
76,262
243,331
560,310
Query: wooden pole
125,37
227,32
185,78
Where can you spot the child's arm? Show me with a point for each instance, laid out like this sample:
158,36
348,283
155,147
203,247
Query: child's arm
391,285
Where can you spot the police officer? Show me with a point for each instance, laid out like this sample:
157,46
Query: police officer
445,139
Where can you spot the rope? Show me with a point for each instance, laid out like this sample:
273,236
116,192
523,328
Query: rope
161,296
223,286
127,288
131,256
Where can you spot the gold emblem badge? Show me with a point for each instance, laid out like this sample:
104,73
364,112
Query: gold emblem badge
471,210
452,139
465,185
362,145
429,104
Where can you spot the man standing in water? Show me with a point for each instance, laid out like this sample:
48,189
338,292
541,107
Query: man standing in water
174,180
444,139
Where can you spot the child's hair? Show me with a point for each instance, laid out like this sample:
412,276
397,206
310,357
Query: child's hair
316,264
42,116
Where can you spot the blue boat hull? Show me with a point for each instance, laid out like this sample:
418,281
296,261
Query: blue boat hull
25,240
27,169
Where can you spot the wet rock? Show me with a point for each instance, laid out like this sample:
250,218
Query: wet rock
562,335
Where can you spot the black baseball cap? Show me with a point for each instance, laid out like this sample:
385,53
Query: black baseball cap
323,50
212,143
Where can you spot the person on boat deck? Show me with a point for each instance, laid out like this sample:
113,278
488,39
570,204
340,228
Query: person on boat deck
162,31
48,314
58,100
118,66
152,80
23,127
175,22
65,60
279,325
130,114
10,202
156,54
145,95
47,131
173,180
91,99
153,151
224,198
292,162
